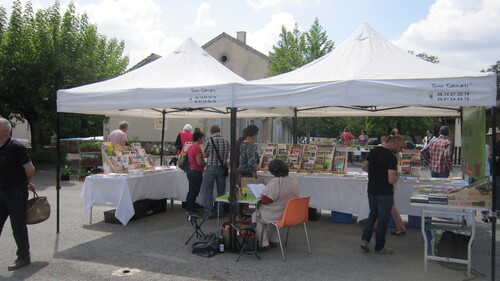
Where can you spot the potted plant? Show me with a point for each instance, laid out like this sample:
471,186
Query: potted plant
87,161
82,174
66,173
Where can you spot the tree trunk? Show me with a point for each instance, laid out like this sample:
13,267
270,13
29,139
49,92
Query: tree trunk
413,139
36,134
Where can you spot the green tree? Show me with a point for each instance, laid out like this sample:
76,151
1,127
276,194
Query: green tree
296,48
316,43
288,54
43,51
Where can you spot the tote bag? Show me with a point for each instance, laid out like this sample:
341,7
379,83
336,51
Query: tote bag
37,209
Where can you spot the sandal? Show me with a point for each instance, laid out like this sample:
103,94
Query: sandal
398,232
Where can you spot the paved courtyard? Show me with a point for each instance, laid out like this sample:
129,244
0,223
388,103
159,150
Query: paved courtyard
153,249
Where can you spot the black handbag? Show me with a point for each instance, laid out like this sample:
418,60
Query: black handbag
184,163
37,209
224,167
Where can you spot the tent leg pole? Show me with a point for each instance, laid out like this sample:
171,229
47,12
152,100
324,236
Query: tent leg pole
493,217
162,136
58,169
294,126
233,202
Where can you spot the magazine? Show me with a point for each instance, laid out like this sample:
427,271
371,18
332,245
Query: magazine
256,189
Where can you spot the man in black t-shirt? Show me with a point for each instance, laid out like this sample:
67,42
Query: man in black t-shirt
16,171
381,165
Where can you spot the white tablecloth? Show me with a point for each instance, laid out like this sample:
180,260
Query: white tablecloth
123,191
348,195
327,192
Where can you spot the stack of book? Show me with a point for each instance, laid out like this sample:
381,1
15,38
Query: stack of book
294,158
434,194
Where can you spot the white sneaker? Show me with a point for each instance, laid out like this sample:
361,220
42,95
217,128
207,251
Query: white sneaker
385,250
364,246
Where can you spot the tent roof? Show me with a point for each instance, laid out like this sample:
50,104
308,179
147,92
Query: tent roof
368,70
366,55
364,75
185,78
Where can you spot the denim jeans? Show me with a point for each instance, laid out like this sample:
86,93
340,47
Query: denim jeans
13,204
213,174
444,174
380,209
195,178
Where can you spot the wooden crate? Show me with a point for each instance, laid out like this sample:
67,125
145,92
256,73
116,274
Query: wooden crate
340,160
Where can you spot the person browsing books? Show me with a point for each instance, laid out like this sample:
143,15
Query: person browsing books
216,151
195,173
438,154
274,198
249,157
381,165
119,136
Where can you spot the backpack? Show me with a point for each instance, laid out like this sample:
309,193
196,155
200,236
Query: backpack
184,163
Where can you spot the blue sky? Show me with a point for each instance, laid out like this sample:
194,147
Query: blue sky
462,33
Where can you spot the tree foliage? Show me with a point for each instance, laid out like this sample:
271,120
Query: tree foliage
43,51
426,57
330,127
296,48
411,126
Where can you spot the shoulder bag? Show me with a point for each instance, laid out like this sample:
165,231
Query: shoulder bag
184,163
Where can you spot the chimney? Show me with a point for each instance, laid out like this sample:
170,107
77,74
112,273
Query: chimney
242,36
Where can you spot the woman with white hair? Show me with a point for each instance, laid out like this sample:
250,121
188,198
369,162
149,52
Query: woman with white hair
184,136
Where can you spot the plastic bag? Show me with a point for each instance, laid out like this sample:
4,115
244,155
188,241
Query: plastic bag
206,246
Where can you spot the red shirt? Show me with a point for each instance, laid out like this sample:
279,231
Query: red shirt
194,150
186,136
347,137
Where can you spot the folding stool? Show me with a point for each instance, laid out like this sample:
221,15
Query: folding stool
193,218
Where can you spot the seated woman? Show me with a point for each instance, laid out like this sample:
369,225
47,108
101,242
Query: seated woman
274,198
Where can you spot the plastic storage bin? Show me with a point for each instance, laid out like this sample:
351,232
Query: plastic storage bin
414,221
341,217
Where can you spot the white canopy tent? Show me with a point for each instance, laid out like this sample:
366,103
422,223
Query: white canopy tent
368,75
365,75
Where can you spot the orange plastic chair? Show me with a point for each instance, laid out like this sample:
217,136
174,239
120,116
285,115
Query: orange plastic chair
296,212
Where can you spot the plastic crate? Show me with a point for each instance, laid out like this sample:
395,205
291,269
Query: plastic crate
341,217
109,217
414,222
158,206
314,214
